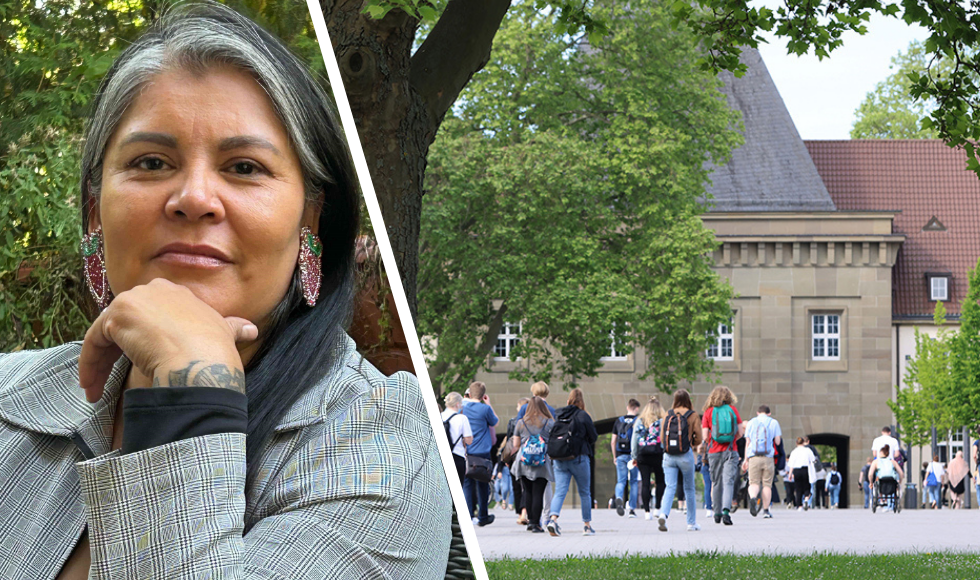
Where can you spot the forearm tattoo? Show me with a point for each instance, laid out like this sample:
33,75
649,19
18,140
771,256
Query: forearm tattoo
217,375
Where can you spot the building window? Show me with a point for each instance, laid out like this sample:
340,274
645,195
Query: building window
938,288
826,337
614,352
724,345
507,340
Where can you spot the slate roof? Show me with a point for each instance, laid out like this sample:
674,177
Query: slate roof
923,179
772,171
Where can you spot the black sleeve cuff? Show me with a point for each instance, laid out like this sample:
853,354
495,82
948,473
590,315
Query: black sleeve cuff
157,416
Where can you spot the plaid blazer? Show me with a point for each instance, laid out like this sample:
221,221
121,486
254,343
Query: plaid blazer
351,485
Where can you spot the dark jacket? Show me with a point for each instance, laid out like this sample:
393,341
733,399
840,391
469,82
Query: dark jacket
582,427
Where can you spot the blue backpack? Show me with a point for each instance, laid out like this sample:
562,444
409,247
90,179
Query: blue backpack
534,451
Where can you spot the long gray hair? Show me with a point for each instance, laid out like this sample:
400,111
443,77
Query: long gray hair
300,345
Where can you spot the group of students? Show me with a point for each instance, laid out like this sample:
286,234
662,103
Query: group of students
672,445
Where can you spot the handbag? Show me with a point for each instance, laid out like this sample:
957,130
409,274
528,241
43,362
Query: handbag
479,469
509,451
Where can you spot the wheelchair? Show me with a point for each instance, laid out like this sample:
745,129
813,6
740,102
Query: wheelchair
886,492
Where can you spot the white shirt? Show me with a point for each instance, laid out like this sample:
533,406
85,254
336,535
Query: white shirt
459,427
938,469
881,441
802,457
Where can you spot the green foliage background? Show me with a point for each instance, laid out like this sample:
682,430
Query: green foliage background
53,56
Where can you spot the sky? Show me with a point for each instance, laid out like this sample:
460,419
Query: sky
822,95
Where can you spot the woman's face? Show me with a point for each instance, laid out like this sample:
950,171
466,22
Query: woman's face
201,186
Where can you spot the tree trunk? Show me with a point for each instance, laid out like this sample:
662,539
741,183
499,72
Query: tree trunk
399,100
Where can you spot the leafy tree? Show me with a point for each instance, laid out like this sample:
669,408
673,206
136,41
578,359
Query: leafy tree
924,402
564,191
964,396
889,112
954,27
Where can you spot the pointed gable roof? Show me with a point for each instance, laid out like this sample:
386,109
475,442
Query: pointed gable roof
772,170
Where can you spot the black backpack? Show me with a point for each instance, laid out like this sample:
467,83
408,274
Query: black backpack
564,442
678,433
448,436
623,435
835,478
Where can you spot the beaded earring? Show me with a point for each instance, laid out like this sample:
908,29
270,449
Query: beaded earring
310,250
93,255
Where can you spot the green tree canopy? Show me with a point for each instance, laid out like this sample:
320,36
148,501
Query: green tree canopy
963,397
889,111
565,189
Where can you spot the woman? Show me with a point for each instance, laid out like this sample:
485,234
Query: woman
933,481
800,462
648,453
532,464
460,434
956,476
885,468
212,162
583,437
680,462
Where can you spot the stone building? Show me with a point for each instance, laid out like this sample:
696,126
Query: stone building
826,287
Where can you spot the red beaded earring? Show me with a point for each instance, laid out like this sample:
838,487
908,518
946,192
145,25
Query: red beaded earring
310,250
93,254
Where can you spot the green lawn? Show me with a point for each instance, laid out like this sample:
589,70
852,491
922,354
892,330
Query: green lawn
709,566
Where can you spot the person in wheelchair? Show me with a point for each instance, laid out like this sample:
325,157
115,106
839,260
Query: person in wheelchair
886,474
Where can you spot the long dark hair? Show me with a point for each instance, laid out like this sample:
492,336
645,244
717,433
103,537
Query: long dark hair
301,343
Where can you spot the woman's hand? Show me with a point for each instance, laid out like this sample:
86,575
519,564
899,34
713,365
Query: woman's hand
170,335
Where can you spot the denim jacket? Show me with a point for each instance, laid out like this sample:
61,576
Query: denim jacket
351,484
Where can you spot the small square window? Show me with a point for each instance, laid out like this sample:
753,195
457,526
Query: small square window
939,288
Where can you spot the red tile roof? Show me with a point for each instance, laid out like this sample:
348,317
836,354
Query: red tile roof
922,179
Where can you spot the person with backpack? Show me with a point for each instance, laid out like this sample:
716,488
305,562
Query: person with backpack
934,480
570,447
680,436
721,428
762,435
515,481
622,437
647,454
817,481
832,485
532,465
458,431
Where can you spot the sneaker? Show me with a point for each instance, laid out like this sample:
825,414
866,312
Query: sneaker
806,507
694,528
553,528
755,505
530,527
632,514
662,520
588,531
799,509
487,521
717,518
536,529
709,513
619,506
726,519
766,515
648,516
476,521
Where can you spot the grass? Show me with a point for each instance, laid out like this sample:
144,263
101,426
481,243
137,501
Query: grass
711,566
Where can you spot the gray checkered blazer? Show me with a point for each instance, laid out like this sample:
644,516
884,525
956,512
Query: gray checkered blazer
351,486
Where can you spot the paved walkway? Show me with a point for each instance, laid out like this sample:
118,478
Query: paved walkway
789,532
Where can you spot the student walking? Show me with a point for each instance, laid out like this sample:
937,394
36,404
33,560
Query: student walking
680,436
482,421
832,485
570,447
622,437
864,482
762,435
532,465
801,462
934,480
515,481
458,430
721,428
647,454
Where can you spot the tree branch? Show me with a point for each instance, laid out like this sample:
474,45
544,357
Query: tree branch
457,47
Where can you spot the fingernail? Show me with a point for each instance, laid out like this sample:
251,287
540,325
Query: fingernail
250,332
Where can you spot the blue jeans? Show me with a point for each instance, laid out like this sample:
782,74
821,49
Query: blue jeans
706,476
622,474
867,494
934,495
477,493
565,470
813,493
683,464
502,487
834,492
